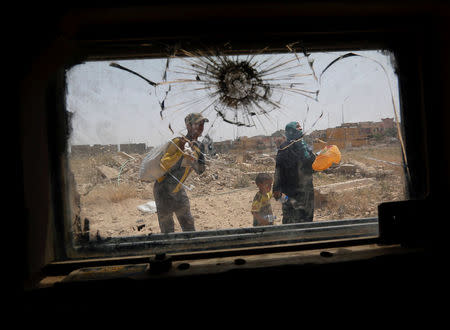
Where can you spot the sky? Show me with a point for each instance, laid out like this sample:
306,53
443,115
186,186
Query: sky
112,106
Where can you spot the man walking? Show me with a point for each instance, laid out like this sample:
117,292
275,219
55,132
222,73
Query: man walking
182,155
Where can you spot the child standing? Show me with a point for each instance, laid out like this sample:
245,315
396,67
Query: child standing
261,208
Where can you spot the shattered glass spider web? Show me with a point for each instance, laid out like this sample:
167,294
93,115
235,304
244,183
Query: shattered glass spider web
238,89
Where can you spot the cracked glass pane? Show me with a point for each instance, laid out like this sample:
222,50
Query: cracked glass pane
240,140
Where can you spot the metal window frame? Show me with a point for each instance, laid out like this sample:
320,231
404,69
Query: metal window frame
238,238
304,233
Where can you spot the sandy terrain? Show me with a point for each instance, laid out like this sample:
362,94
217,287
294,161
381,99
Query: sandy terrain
221,197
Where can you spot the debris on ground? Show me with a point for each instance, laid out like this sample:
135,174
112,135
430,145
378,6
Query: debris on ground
149,207
221,197
108,172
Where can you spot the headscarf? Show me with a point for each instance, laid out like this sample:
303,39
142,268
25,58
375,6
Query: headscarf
292,133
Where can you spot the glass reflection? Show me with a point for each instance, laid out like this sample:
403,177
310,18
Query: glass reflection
221,122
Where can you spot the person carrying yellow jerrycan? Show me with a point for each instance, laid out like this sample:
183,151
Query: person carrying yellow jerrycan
326,157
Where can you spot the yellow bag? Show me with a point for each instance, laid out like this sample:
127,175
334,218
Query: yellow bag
326,157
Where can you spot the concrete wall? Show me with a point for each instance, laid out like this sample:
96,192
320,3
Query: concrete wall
90,150
260,143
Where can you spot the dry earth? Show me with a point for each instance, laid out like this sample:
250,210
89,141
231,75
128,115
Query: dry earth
110,191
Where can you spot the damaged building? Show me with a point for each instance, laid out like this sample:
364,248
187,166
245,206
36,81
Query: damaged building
350,135
347,135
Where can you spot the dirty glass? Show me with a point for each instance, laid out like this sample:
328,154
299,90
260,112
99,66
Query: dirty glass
277,138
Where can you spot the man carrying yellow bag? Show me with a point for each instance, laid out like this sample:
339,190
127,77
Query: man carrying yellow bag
181,157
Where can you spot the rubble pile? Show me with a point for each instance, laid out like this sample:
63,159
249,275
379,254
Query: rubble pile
231,171
350,189
222,172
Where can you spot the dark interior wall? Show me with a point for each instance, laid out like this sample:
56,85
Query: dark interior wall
53,35
436,84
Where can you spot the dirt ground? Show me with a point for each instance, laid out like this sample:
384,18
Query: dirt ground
221,197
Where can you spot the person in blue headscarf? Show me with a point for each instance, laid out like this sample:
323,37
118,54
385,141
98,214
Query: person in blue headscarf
294,176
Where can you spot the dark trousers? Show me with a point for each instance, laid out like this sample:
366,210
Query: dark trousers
168,203
299,208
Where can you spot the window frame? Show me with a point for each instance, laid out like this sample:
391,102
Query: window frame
114,49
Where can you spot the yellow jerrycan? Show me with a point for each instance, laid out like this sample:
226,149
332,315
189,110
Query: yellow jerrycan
326,157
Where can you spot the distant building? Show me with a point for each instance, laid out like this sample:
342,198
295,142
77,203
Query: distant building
344,136
351,134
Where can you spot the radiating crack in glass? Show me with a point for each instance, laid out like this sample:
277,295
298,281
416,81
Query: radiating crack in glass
238,89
